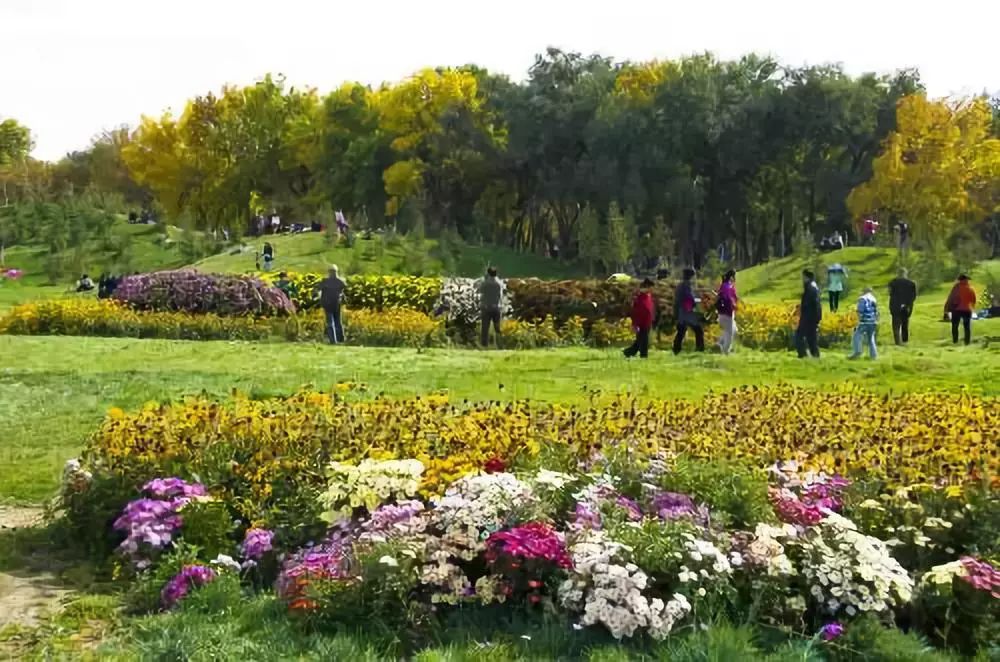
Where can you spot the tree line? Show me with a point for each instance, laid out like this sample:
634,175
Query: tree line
604,161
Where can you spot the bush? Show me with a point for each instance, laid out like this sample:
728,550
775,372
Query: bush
193,292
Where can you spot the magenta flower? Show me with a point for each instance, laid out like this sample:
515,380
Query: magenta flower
981,575
150,524
674,505
531,541
191,576
256,543
328,560
831,631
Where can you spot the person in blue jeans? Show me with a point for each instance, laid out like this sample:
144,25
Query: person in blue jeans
868,317
331,290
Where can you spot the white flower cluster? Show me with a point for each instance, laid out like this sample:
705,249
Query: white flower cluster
369,484
547,480
941,577
474,506
75,478
851,571
459,300
449,580
609,591
704,562
768,551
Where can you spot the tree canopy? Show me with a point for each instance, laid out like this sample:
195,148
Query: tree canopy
598,158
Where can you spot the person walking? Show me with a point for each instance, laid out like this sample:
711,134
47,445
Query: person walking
836,277
960,304
490,306
810,315
643,314
725,305
902,296
331,290
868,318
686,313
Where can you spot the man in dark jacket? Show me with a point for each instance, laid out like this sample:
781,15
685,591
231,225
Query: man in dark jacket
810,315
643,314
902,295
686,313
331,289
490,305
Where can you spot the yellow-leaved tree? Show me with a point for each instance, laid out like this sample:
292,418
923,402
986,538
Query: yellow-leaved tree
940,168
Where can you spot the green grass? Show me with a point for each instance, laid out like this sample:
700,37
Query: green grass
54,391
311,251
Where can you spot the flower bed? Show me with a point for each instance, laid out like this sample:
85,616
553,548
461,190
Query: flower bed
104,317
632,547
194,292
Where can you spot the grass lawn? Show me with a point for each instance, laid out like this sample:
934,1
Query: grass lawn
55,390
311,251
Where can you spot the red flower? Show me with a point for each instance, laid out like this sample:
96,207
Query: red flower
534,599
534,583
495,465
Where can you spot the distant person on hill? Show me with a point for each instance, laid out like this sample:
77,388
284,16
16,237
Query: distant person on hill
686,313
810,315
85,284
902,296
836,277
837,240
902,236
868,318
960,304
643,315
490,306
725,304
331,290
268,254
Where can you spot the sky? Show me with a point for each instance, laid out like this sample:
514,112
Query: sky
72,68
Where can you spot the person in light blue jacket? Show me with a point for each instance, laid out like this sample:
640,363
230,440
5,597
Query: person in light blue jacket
868,317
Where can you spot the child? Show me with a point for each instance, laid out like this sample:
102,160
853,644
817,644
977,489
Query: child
867,323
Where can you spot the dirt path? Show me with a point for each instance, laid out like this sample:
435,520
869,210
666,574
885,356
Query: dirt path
26,593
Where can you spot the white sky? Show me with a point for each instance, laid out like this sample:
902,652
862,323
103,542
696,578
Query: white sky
71,68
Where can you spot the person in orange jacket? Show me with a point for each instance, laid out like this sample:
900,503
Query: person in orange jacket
960,304
643,314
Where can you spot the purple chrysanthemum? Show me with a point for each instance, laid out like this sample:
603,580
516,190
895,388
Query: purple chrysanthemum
256,543
191,576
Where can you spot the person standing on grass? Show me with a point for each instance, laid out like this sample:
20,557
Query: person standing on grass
268,254
490,306
810,315
643,315
686,313
961,302
331,290
725,304
902,296
835,277
867,325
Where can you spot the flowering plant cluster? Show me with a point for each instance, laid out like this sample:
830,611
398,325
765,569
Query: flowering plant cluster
194,292
150,523
369,483
191,576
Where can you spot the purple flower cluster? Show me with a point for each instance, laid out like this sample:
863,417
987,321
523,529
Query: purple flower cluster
831,631
193,292
531,541
981,575
674,505
389,519
256,543
327,560
151,523
630,506
585,517
172,488
191,576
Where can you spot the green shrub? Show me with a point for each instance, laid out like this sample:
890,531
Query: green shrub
734,489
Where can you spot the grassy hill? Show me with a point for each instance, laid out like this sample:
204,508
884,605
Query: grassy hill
312,252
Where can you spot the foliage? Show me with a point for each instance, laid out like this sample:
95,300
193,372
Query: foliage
194,292
938,168
733,489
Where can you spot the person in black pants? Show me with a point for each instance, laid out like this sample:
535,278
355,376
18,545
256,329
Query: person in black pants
643,316
686,313
961,302
331,290
902,296
810,315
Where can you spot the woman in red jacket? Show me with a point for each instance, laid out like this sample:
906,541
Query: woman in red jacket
643,314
